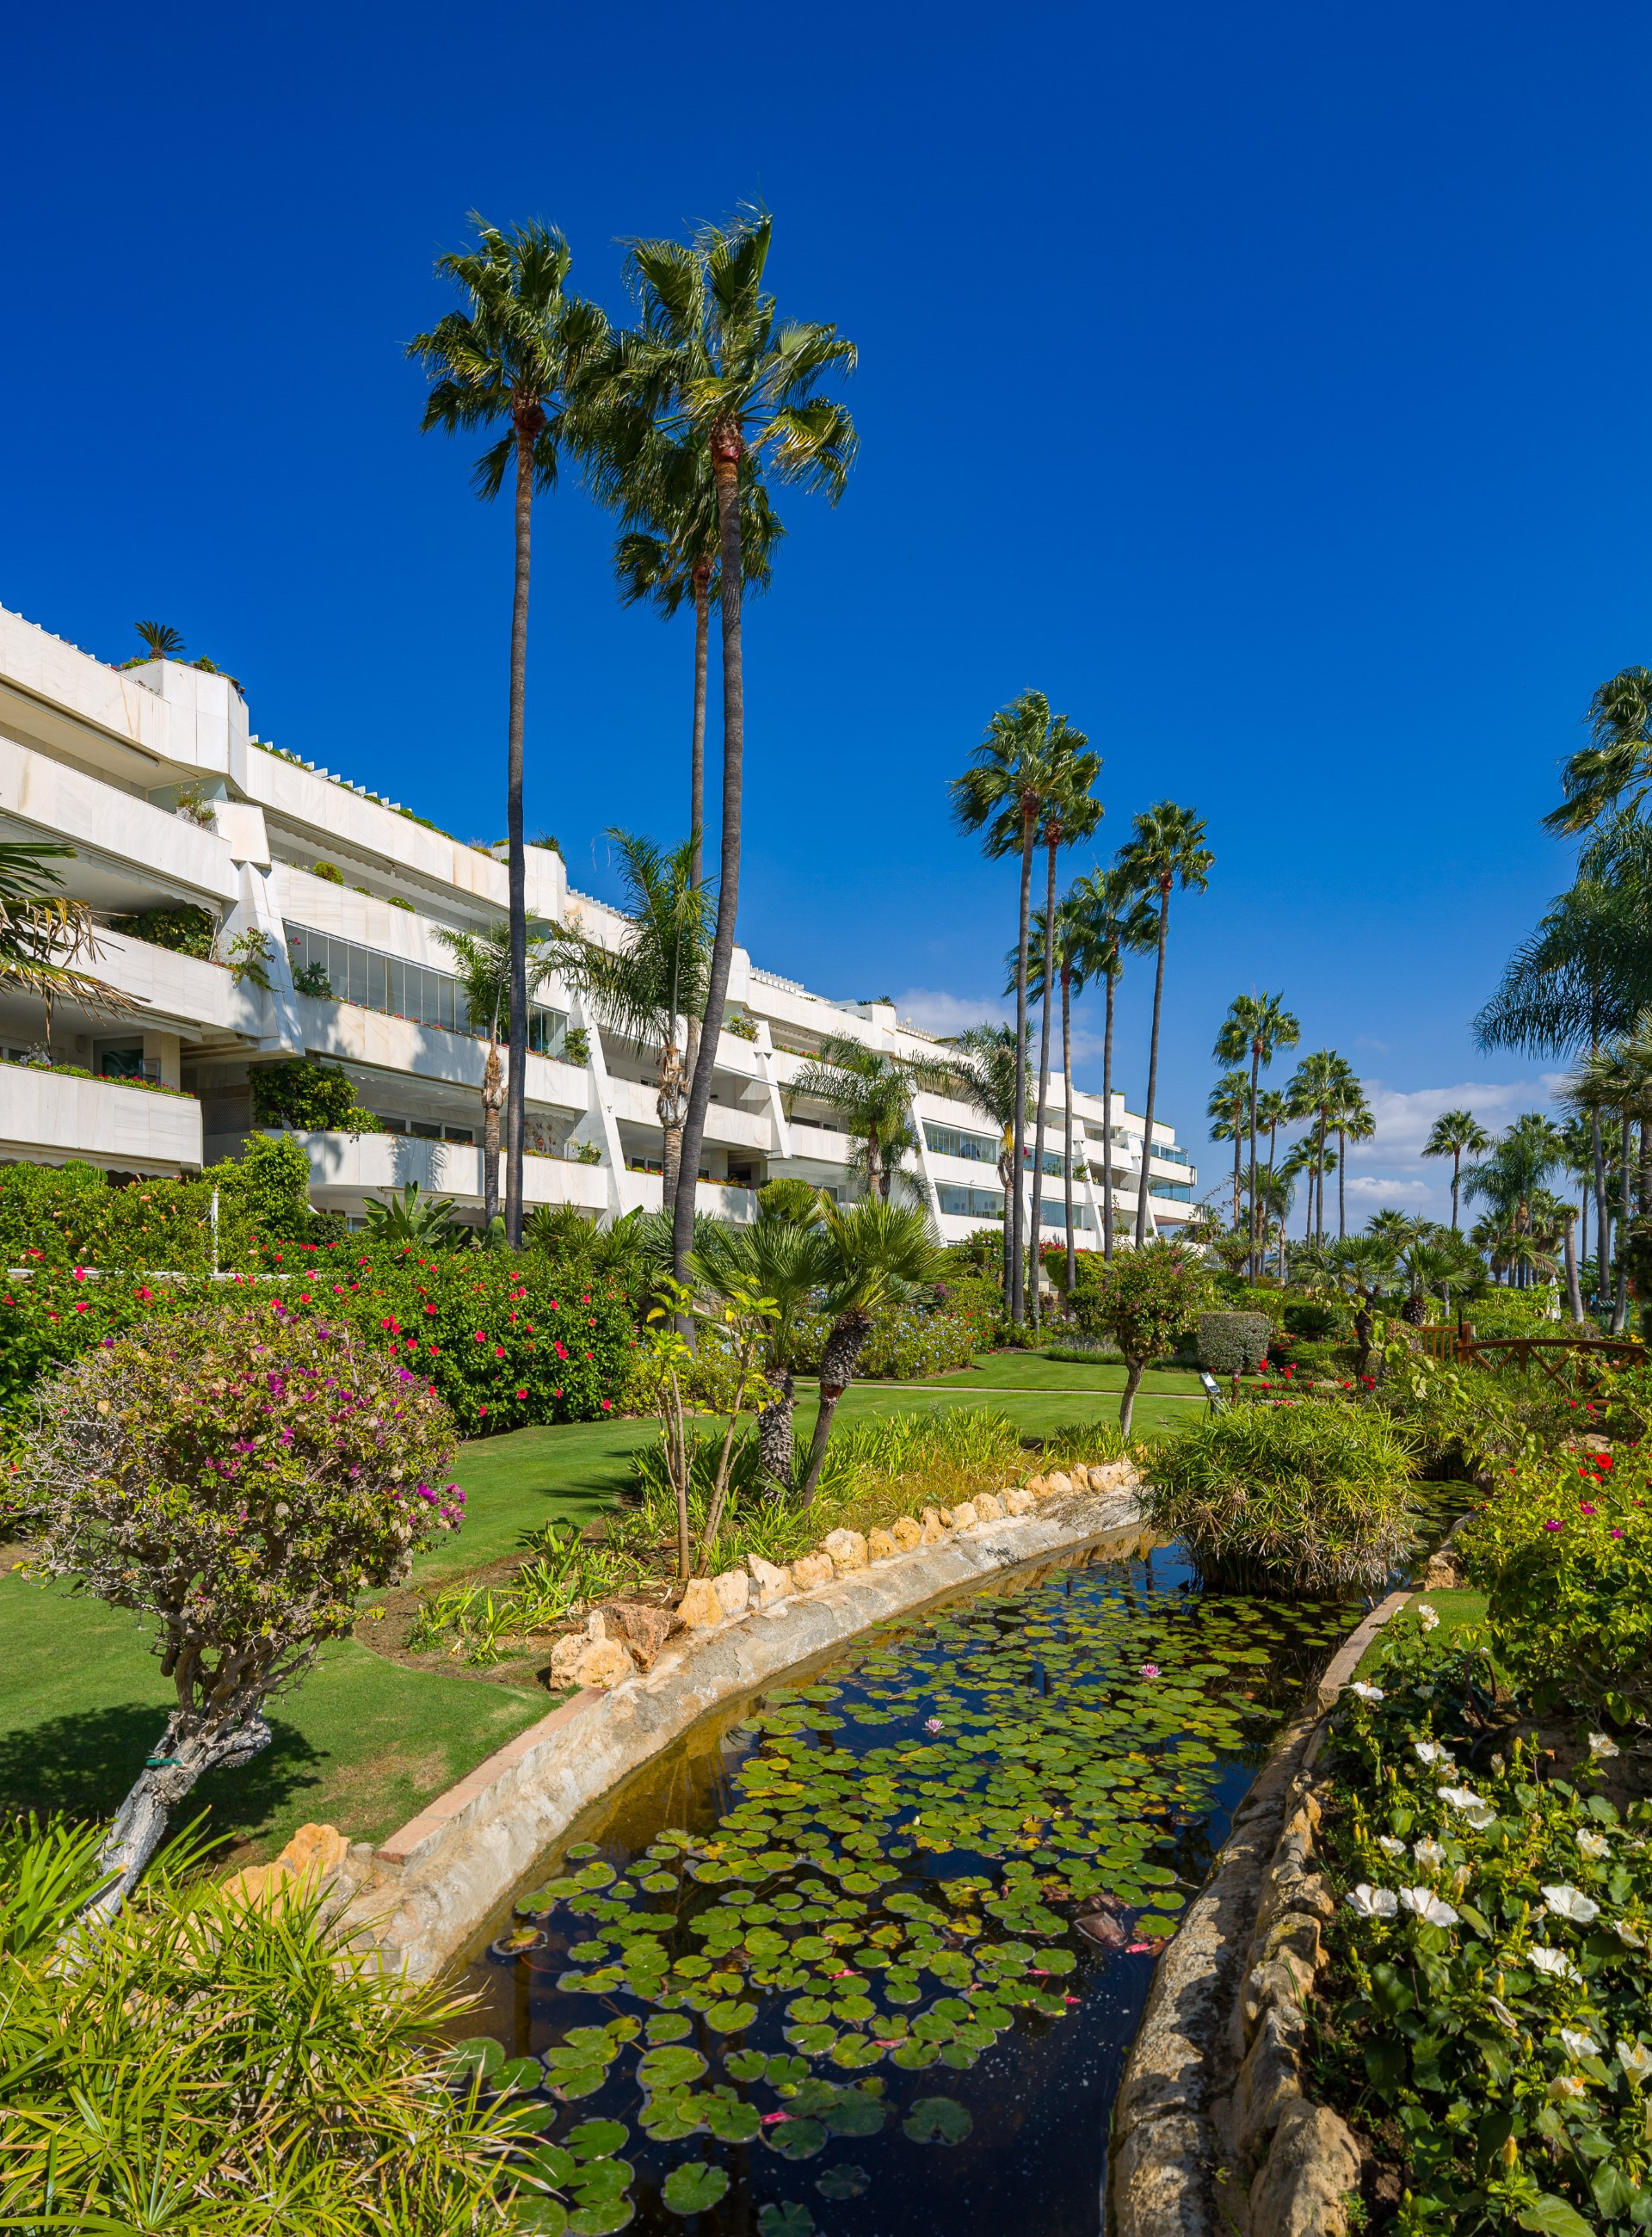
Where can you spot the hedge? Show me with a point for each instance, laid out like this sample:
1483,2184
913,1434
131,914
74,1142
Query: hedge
1233,1343
72,1215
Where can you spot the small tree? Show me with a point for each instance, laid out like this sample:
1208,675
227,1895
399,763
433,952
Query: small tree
1143,1300
239,1477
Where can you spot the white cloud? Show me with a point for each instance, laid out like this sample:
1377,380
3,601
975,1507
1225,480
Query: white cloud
939,1012
1405,1117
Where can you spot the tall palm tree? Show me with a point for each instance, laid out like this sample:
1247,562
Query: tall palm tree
517,353
1256,1028
987,1072
1227,1109
711,364
1108,921
1168,850
1314,1090
668,552
1512,1173
657,976
1002,795
483,964
1354,1122
1618,757
871,1093
1456,1134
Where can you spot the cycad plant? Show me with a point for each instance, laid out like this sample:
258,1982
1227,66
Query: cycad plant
483,965
871,1094
411,1218
712,364
787,1262
1107,921
660,974
1166,851
517,355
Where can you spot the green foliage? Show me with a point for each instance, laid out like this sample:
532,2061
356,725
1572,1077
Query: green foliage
180,926
296,1091
794,1200
231,2058
975,1302
906,1340
576,1046
330,871
265,1192
1293,1497
743,1028
248,956
481,1623
1143,1300
1475,1419
1233,1343
312,979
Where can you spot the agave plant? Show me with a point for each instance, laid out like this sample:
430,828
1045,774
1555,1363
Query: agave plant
426,1222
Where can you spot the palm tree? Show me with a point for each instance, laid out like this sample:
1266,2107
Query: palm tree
1595,778
872,1094
1227,1109
1256,1028
711,365
1168,850
1002,794
483,960
160,641
1314,1090
1107,921
1456,1134
874,1254
518,353
1510,1175
787,1262
1069,813
1354,1122
44,935
668,552
420,1222
986,1073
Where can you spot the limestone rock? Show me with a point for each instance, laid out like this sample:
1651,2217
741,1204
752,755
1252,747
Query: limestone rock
1442,1574
905,1533
733,1590
1270,2079
1281,1980
965,1517
314,1858
934,1528
989,1507
1059,1484
1081,1476
604,1662
881,1547
644,1626
565,1654
1037,1486
814,1570
316,1851
1312,2170
1019,1503
846,1550
699,1608
770,1584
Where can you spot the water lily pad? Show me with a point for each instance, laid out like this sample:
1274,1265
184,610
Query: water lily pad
668,2027
694,2187
794,2139
813,2041
601,2220
787,2219
597,2139
516,2074
669,2119
479,2056
540,2217
747,2065
843,2183
937,2121
670,2066
729,2017
856,2112
915,2055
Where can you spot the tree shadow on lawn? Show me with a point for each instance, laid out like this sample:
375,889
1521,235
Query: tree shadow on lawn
80,1766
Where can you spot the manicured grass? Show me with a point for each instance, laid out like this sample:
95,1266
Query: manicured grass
1458,1610
1028,1370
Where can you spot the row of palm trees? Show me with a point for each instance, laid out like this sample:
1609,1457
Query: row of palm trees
677,423
1325,1092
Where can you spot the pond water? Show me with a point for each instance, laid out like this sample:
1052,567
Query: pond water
866,1955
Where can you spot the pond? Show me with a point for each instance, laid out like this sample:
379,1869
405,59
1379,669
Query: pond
865,1953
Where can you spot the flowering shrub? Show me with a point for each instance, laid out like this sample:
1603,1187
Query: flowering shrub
1490,1964
1144,1299
73,1215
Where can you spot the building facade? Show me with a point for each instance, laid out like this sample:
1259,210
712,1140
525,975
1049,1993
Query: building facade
150,774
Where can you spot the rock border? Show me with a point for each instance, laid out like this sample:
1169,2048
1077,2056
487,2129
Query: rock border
1212,2131
426,1891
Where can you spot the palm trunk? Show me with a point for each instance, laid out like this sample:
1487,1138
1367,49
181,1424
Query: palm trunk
1254,1223
1236,1175
1574,1294
492,1097
668,1107
1043,1089
1319,1215
1106,1134
1602,1238
516,1107
1621,1292
842,1348
696,755
1342,1185
1017,1218
1457,1176
777,1448
1066,1124
1153,1065
725,465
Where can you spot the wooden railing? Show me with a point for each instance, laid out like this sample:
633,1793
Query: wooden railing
1563,1359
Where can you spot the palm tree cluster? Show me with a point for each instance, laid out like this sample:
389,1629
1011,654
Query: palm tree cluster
678,423
1580,988
1031,783
1323,1095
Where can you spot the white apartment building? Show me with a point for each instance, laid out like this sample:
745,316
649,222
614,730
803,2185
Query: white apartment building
100,758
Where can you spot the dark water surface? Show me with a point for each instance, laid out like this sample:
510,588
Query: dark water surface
857,1895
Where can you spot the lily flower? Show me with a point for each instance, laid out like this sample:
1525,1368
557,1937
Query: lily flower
1428,1616
1368,1902
1571,1902
1474,1807
1429,1854
1390,1846
1426,1905
1578,2044
1430,1752
1636,2060
1568,2085
1627,1936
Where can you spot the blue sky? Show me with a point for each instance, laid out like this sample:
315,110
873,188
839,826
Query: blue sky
1265,385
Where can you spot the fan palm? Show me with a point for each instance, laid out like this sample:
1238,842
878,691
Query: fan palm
660,974
1069,813
711,365
1168,850
483,966
1107,921
786,1261
872,1095
519,353
1354,1121
1256,1028
1618,757
986,1073
1456,1134
1227,1111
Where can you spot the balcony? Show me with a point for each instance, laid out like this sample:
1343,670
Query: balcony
49,1116
379,1164
346,1034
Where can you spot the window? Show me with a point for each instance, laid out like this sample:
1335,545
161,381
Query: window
951,1142
1170,1154
124,1060
1178,1191
376,982
970,1202
1051,1162
1054,1214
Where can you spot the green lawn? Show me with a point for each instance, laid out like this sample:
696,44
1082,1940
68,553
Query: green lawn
1028,1370
364,1743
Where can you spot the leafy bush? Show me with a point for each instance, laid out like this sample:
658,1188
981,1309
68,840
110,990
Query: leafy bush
576,1046
905,1341
1143,1300
1305,1499
310,1098
1311,1320
183,928
330,871
1476,1419
978,1303
1233,1343
232,2059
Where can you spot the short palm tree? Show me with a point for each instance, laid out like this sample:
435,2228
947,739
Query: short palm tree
656,977
1456,1134
1228,1111
787,1262
1256,1028
711,364
1167,850
482,961
424,1222
1106,921
986,1073
160,641
518,353
874,1254
871,1094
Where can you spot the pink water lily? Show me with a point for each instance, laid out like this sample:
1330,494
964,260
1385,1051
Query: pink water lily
1150,1669
769,2119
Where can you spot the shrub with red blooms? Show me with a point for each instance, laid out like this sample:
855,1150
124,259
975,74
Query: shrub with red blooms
237,1477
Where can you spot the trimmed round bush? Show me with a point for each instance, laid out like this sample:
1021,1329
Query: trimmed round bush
1233,1343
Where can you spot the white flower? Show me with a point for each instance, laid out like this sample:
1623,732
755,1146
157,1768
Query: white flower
1603,1746
1500,2011
1428,1618
1636,2060
1390,1846
1497,1764
1568,2085
1429,1854
1428,1907
1627,1935
1425,1693
1366,1692
1555,1963
1432,1752
1475,1807
1368,1902
1571,1902
1579,2045
1592,1845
